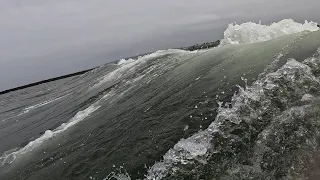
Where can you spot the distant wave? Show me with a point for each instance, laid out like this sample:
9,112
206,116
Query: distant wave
128,65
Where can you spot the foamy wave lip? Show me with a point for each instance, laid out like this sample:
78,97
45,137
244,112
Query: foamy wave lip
9,158
129,65
251,32
125,61
155,55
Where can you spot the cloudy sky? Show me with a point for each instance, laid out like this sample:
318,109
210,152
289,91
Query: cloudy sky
40,39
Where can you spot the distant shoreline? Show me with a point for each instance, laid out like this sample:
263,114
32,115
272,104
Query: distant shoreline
206,45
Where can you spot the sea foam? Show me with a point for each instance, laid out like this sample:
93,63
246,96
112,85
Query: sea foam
8,158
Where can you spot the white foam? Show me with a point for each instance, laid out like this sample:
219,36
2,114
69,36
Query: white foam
30,108
9,158
125,61
307,98
251,32
120,175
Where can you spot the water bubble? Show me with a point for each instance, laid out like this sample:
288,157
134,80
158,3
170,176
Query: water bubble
186,128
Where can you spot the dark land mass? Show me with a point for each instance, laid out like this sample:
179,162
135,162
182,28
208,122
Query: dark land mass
202,46
206,45
45,81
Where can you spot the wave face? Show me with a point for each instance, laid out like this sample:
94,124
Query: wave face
243,111
251,32
269,130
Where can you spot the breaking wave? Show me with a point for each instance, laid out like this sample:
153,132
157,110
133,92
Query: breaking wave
251,32
259,116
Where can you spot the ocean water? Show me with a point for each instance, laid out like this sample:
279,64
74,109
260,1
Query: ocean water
248,109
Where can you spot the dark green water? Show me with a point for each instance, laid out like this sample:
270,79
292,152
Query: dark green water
162,111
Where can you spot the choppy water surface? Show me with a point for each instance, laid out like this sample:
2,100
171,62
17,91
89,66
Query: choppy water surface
248,109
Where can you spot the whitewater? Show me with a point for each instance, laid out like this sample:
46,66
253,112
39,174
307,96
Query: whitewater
188,111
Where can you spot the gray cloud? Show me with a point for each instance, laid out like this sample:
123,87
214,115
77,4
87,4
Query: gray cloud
41,39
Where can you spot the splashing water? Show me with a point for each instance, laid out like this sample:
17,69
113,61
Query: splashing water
279,100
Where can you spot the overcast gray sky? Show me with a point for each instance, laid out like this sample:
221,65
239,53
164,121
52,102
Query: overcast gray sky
40,39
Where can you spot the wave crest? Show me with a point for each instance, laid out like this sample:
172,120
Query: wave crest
251,32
